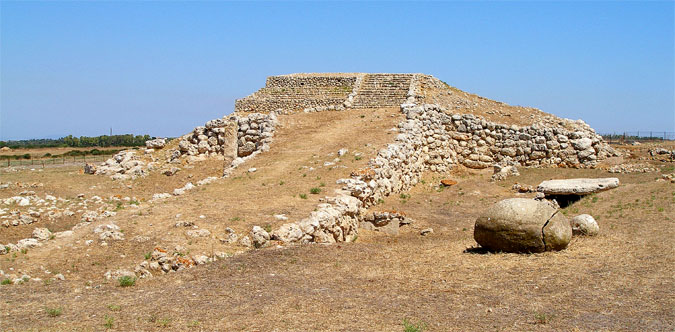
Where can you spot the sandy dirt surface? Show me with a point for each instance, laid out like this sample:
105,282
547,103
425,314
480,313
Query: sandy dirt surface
620,280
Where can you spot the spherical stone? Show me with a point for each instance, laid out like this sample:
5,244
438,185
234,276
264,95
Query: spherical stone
522,225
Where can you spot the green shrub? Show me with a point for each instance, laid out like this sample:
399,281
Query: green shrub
109,322
542,318
54,312
5,282
409,326
126,281
303,196
315,190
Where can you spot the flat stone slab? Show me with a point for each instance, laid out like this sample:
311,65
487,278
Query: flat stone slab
577,186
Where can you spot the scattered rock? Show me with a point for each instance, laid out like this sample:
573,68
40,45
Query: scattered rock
522,225
523,188
198,233
502,172
584,224
111,235
632,168
27,244
184,224
41,234
171,172
157,143
201,259
89,216
342,152
89,168
156,197
259,236
426,231
246,242
448,182
230,236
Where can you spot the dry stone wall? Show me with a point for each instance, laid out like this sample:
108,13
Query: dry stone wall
232,137
321,92
296,92
434,139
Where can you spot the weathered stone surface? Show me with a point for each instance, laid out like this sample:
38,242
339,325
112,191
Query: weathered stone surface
89,168
577,186
448,182
584,224
288,233
198,233
41,234
259,236
502,172
522,225
157,143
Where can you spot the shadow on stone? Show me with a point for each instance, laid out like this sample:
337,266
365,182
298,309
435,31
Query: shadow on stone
478,250
564,200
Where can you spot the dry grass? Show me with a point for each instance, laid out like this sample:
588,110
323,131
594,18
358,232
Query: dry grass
621,280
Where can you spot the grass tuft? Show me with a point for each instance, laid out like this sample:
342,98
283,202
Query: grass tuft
126,281
409,326
54,312
109,322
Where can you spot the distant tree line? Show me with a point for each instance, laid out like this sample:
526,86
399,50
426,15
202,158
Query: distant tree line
78,142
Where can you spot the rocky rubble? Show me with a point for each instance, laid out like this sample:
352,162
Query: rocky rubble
502,172
388,222
431,138
124,165
631,168
662,152
155,144
161,261
333,221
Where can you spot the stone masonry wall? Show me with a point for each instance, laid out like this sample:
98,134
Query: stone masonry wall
232,137
287,81
433,139
292,93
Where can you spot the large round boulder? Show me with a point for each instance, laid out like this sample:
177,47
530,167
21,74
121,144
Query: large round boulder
522,225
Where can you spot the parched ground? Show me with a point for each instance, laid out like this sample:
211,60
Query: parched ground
620,280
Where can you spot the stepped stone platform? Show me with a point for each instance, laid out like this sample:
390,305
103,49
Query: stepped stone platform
334,91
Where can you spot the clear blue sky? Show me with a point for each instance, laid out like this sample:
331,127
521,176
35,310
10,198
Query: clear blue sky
162,68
